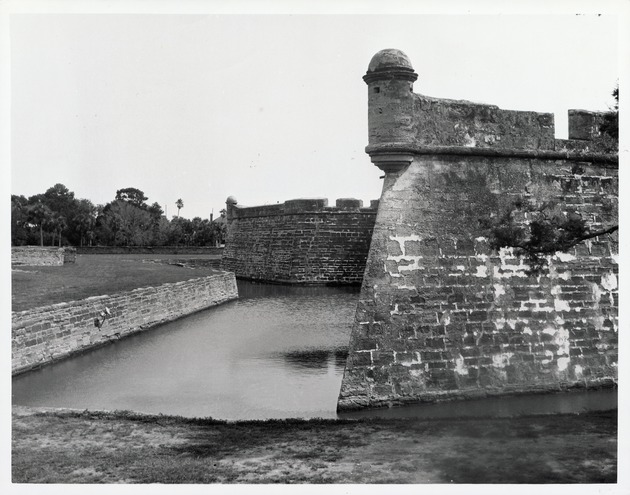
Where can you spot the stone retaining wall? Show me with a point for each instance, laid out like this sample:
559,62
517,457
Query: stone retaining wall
42,256
46,334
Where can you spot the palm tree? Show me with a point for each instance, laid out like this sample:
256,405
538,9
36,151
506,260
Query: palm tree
84,225
59,225
39,214
180,204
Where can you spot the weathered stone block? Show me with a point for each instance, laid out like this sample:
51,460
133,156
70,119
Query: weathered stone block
382,358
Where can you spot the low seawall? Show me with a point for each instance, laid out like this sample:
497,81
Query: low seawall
42,256
49,333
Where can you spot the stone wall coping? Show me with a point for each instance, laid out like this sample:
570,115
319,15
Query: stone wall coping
93,299
605,159
42,248
304,207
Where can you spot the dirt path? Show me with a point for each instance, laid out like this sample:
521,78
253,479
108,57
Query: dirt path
58,446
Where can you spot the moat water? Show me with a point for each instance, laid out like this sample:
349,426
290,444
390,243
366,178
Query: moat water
277,352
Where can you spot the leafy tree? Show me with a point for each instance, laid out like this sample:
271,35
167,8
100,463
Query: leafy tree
536,227
58,198
127,220
158,227
84,221
176,232
219,228
19,221
610,126
161,232
156,211
127,224
202,232
104,229
133,196
62,203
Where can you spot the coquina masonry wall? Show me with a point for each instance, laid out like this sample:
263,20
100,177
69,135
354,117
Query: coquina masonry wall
301,241
49,333
42,256
440,315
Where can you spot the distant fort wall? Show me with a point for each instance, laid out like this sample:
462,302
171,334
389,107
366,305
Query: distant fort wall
301,241
443,316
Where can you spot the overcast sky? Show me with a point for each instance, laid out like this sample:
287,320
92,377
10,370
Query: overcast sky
265,108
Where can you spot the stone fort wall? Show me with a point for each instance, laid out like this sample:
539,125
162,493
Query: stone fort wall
49,333
442,316
301,241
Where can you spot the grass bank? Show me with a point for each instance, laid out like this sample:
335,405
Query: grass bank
96,275
62,446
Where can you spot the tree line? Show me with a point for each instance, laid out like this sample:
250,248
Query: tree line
56,218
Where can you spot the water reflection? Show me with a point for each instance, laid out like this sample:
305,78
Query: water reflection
317,360
501,407
340,358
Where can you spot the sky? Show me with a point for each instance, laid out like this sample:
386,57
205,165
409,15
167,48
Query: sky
264,107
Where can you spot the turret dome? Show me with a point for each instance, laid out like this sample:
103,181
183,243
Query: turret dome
389,58
390,64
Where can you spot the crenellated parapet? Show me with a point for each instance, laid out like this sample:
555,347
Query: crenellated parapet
302,206
402,123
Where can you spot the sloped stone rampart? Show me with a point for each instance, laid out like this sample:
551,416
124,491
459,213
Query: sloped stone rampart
441,315
46,334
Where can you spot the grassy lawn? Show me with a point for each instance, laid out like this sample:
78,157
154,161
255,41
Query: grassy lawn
97,447
95,275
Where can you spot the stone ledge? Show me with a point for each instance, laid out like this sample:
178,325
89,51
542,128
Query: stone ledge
360,402
604,159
